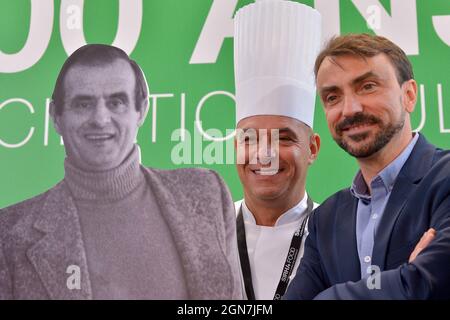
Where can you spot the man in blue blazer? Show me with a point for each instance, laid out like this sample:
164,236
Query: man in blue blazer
388,235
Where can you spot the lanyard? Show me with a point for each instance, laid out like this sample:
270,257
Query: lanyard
291,257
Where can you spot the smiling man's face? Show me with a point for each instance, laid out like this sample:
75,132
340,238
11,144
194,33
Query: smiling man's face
364,104
260,179
99,120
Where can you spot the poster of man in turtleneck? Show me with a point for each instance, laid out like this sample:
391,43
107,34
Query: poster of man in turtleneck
112,228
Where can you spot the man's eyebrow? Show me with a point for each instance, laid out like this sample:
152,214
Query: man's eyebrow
365,76
286,130
359,79
119,95
281,130
83,97
248,129
325,90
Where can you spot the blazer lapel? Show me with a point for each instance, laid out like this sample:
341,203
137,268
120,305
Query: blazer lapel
190,230
418,163
397,201
345,237
59,256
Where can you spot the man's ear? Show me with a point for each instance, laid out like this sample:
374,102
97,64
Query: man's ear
55,117
314,147
143,112
409,95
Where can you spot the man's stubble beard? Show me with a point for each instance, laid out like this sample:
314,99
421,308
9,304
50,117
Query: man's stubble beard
381,139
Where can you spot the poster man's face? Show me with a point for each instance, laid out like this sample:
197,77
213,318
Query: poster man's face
99,120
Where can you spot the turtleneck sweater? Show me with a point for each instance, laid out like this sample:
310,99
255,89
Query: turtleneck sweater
129,248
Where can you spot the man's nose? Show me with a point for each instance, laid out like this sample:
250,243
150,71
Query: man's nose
102,115
267,152
351,105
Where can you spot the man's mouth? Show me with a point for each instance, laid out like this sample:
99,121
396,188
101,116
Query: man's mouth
267,171
358,128
357,124
98,137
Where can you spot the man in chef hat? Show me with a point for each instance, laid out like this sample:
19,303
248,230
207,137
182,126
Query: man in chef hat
276,42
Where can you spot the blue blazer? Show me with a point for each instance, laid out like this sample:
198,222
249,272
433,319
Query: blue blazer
420,199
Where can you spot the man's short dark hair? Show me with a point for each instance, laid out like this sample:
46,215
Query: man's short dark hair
98,55
367,46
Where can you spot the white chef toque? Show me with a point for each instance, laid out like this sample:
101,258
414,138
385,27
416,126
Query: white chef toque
275,45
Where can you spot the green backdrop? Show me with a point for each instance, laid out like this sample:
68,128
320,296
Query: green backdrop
168,36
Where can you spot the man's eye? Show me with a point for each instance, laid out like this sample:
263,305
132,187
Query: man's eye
248,140
116,105
82,105
368,86
245,138
331,98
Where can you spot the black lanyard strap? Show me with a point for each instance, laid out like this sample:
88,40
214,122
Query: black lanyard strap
243,256
291,257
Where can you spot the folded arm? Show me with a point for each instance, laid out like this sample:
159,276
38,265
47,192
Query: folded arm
425,276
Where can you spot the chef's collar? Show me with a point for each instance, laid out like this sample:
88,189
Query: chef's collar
292,215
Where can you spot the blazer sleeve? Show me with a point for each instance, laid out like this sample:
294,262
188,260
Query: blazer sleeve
310,278
231,250
427,277
5,278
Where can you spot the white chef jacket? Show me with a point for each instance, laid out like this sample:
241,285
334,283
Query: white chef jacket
267,247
